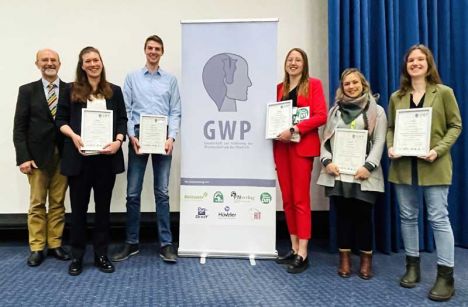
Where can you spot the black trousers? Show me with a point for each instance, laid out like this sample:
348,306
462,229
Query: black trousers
96,174
354,223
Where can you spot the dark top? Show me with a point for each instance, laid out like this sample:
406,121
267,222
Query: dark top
69,113
35,134
292,95
351,190
414,160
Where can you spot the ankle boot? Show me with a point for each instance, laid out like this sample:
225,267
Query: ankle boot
413,272
444,287
345,264
365,272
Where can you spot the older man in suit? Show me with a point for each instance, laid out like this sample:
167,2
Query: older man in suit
38,144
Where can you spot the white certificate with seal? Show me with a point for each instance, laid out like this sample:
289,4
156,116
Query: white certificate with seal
96,129
349,149
412,135
279,118
153,134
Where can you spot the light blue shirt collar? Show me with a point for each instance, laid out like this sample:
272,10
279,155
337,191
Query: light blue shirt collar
45,83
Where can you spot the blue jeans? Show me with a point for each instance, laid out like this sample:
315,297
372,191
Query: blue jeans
436,202
135,174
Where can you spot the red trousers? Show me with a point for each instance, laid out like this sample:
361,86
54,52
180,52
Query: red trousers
294,174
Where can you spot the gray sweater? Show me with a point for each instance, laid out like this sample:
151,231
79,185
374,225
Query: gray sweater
376,180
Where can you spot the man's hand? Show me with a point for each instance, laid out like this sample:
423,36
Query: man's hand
169,145
135,144
27,167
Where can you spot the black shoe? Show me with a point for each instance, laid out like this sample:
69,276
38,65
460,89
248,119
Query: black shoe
287,258
58,253
35,258
103,264
76,267
168,254
299,265
125,252
413,272
444,286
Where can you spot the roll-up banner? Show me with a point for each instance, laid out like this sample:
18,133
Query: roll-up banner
228,196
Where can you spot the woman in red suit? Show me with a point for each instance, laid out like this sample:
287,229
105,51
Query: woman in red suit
294,160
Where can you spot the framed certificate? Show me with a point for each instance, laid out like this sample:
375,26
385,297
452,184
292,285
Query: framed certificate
349,149
96,129
412,135
153,134
279,118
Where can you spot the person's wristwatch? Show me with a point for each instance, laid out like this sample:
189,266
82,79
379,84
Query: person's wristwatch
292,130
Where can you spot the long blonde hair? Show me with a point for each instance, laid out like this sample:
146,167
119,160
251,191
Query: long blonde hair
365,84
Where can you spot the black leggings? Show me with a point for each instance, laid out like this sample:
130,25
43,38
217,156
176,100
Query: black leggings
354,222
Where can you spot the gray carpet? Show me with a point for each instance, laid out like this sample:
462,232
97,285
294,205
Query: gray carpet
144,280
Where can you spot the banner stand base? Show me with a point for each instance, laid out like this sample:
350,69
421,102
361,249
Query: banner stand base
218,254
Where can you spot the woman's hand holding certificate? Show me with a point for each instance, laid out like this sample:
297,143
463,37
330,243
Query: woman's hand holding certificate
279,118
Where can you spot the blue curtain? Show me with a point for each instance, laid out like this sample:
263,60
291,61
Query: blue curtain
373,35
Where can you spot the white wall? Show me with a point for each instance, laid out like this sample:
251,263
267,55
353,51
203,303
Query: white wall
118,29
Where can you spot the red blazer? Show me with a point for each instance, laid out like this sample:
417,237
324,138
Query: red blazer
309,146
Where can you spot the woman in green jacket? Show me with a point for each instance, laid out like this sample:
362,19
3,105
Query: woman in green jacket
420,86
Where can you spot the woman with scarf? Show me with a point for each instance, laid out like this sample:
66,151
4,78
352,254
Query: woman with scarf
354,195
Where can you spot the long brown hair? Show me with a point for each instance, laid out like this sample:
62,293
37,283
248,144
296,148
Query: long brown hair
303,86
81,89
365,84
432,75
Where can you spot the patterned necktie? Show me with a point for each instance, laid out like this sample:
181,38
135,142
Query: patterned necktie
52,99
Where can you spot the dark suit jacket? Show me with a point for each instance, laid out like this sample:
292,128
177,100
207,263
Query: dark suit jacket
69,113
35,133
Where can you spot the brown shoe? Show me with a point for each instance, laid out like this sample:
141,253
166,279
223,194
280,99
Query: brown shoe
345,264
365,272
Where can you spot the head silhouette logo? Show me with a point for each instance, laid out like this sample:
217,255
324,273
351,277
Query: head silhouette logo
226,80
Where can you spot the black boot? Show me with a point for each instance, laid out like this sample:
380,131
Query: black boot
413,273
444,287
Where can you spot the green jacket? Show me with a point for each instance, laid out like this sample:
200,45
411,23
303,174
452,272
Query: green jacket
446,127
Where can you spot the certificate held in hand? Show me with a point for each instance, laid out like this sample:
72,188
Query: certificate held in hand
153,134
349,149
279,118
96,129
412,132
